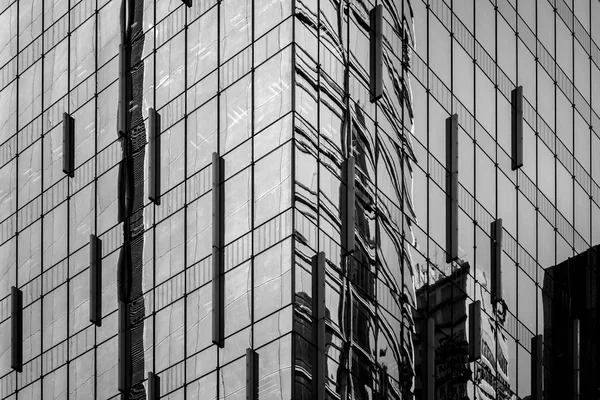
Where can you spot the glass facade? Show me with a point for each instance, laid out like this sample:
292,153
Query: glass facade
282,92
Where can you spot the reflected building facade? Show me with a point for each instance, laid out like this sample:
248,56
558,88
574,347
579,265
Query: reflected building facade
571,327
170,170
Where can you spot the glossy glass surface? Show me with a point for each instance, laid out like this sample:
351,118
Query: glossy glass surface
280,89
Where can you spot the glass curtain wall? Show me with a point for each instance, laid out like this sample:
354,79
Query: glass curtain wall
280,89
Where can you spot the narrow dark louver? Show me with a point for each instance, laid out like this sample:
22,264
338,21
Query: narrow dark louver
574,360
218,283
318,311
517,128
124,369
95,280
475,331
376,78
68,145
154,156
153,386
348,201
251,375
536,367
123,106
428,371
496,259
16,338
384,386
452,188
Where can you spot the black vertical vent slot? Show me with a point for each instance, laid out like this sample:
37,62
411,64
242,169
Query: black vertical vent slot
16,339
153,386
154,156
517,128
452,188
318,311
68,145
95,280
475,331
251,375
218,283
123,106
348,201
536,367
428,379
376,78
124,368
496,259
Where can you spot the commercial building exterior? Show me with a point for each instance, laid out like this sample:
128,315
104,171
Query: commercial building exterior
291,199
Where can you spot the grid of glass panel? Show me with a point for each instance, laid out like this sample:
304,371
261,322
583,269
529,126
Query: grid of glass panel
280,89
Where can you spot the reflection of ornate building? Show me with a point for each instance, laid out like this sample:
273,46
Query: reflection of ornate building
371,285
571,317
447,301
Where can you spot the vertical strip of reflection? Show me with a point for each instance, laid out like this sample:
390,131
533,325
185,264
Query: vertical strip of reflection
132,134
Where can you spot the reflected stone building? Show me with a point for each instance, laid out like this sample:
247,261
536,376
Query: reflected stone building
457,377
170,171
